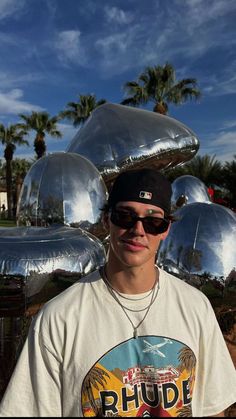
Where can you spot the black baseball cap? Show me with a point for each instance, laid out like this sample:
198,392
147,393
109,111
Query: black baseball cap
145,185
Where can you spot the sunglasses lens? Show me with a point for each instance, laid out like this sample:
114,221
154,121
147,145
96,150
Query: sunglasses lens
122,219
154,225
151,225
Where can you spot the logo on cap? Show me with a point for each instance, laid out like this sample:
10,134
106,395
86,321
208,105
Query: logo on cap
145,195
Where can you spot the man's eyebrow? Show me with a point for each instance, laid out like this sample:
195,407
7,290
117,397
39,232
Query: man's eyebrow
126,207
153,211
149,211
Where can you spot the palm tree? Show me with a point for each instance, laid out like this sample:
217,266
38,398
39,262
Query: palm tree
78,112
175,172
158,84
206,168
96,376
20,167
10,137
42,124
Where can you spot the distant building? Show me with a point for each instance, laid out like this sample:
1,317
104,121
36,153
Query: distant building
3,197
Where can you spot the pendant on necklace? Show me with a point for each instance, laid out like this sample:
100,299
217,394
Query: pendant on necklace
135,333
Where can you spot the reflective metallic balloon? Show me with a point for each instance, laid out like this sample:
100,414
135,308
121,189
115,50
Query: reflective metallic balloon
188,189
200,248
117,137
62,188
36,264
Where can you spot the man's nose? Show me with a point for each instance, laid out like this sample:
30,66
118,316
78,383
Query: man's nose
138,228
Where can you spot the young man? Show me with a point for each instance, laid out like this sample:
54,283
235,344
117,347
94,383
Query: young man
128,339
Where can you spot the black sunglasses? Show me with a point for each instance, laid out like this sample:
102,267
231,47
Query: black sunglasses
151,225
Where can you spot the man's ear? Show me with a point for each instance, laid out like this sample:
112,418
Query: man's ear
105,220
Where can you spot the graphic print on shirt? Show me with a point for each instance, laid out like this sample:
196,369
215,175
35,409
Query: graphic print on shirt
147,376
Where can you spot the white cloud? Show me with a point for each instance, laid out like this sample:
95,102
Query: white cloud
121,51
222,153
226,138
221,82
10,8
190,31
196,14
11,103
67,130
227,85
9,80
8,40
52,6
114,14
69,47
181,31
89,9
113,43
222,144
230,124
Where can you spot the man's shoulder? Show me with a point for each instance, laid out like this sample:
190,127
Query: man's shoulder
185,290
74,293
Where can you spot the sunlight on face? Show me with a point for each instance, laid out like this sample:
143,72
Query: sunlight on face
133,246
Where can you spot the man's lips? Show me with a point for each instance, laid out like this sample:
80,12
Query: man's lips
133,245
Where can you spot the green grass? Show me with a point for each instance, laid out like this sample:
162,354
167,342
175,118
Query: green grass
7,223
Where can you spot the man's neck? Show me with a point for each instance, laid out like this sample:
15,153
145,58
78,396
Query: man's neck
131,280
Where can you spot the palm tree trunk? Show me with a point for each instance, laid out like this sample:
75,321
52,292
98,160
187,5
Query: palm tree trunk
9,188
19,183
39,145
161,107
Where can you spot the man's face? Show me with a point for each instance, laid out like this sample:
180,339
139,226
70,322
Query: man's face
134,246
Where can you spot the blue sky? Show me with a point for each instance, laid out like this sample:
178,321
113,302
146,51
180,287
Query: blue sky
54,50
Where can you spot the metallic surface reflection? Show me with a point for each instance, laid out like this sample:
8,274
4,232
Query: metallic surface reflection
188,189
200,248
62,188
117,137
36,264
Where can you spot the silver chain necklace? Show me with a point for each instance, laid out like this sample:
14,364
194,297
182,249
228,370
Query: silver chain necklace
127,298
153,298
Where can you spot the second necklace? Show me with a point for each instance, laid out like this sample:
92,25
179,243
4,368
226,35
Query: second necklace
154,292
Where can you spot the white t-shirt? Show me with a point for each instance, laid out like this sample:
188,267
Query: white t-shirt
80,357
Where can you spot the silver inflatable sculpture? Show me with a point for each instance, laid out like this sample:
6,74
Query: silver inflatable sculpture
43,255
63,188
188,189
200,248
36,264
117,137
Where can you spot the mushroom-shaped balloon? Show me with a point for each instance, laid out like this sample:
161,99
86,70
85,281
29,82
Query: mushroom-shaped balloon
36,264
117,137
188,189
200,248
63,188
